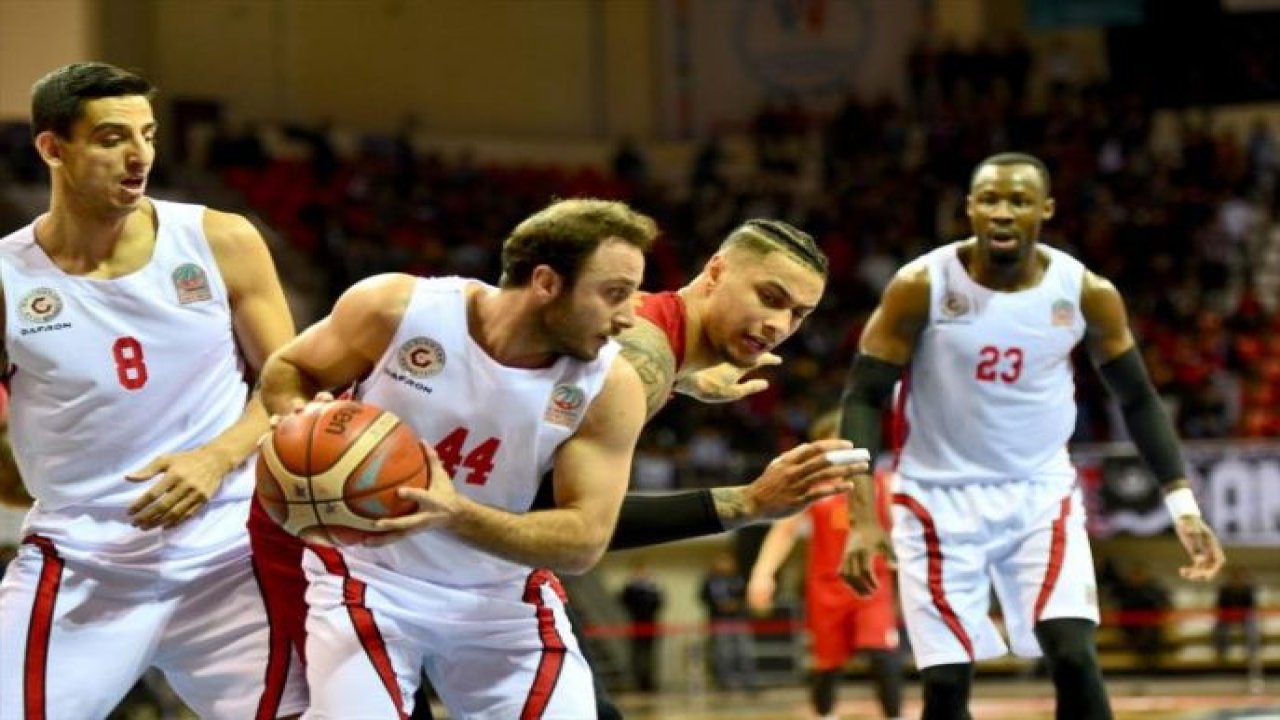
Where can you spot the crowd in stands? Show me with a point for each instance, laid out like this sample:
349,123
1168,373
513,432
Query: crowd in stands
1182,224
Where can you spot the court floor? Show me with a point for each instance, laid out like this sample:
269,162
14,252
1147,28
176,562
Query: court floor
1148,699
1177,698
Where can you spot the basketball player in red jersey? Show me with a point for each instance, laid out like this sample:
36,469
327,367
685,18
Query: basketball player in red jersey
840,621
129,324
766,277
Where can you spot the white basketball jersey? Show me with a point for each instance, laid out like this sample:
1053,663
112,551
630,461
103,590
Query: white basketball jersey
496,428
109,374
990,395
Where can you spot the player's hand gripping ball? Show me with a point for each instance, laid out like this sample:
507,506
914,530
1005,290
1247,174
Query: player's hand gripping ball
328,472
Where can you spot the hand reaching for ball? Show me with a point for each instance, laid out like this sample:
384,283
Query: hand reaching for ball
438,504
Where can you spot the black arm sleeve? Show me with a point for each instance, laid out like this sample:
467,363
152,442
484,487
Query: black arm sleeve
1144,415
655,519
867,390
652,519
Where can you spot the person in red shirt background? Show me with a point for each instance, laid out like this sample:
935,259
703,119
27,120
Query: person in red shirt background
840,622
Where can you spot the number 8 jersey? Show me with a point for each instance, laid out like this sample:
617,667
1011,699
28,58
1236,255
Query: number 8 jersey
991,393
109,374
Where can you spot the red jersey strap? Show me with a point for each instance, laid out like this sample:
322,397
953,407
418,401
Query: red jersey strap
666,310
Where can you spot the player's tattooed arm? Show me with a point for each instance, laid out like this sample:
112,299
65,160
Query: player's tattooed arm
732,507
646,348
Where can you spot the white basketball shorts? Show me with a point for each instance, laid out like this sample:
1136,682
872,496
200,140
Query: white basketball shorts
955,541
75,634
499,652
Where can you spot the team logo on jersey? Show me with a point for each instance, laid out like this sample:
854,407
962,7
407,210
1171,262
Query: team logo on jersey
40,305
566,405
954,305
1064,313
421,357
192,284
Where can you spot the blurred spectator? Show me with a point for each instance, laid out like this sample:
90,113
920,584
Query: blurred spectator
642,598
629,165
709,455
1144,604
724,592
1238,607
242,149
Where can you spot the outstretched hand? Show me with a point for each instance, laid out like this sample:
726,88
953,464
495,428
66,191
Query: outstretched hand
800,476
1202,545
723,383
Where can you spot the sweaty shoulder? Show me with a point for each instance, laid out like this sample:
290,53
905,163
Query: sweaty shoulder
1099,298
891,332
230,234
381,299
908,290
1106,317
238,247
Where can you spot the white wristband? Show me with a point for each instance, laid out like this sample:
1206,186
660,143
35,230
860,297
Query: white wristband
1181,502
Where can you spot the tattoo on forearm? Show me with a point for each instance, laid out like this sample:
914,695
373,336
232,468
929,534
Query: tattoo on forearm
646,348
731,507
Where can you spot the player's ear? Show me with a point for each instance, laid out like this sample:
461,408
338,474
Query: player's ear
546,282
714,270
49,148
1049,208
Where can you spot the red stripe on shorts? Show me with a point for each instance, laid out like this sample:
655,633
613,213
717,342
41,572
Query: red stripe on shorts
933,548
553,648
36,667
276,674
366,626
1057,549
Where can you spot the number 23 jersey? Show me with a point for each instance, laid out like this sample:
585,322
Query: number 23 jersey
991,393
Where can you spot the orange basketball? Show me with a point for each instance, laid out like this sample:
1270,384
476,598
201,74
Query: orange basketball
329,472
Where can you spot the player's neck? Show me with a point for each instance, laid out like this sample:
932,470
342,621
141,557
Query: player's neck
87,243
697,351
502,326
1005,278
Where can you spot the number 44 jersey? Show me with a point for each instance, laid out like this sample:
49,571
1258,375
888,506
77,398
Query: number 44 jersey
496,428
108,374
991,394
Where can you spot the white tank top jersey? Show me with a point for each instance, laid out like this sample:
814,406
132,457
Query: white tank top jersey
496,428
109,374
991,393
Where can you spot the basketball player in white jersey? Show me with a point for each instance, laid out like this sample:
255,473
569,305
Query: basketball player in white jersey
128,325
506,383
984,328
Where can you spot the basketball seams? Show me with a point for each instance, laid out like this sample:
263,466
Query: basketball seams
336,512
317,503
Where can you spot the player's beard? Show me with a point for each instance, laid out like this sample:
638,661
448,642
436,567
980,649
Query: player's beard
566,335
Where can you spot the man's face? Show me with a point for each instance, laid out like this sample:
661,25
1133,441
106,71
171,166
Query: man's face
583,318
756,302
105,163
1006,206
